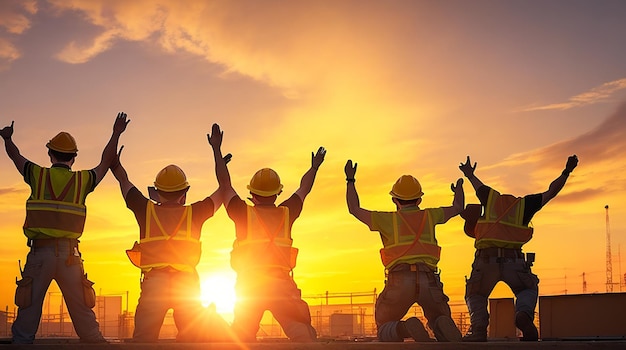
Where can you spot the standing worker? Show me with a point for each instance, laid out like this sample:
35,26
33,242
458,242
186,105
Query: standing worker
169,249
55,219
410,256
263,256
500,233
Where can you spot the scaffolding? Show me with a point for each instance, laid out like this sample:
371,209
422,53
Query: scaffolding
334,316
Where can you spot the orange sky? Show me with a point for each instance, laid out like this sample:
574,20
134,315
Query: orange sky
400,87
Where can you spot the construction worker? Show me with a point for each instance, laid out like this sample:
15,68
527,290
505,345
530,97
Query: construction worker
500,232
263,256
169,249
55,219
410,255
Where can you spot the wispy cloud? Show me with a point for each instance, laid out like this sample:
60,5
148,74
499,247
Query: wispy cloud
9,190
14,20
598,94
599,151
14,15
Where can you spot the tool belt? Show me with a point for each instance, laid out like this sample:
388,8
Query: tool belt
500,255
53,242
411,267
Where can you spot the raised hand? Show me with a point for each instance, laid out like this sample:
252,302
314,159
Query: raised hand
216,136
7,131
467,168
572,162
349,169
120,123
458,186
318,158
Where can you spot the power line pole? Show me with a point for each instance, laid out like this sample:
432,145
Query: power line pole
609,265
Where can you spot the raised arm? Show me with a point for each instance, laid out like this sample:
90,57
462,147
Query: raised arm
468,171
559,182
225,191
109,152
352,197
12,151
306,184
120,174
458,203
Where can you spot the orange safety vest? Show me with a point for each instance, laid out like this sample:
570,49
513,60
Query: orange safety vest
502,224
61,215
180,249
268,242
409,243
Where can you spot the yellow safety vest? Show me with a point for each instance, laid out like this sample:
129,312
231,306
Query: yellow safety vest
180,249
267,243
413,239
56,207
502,224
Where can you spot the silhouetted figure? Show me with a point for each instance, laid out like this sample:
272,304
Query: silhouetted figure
169,249
410,255
500,233
263,255
55,219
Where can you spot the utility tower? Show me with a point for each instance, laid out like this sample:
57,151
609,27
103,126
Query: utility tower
584,284
609,265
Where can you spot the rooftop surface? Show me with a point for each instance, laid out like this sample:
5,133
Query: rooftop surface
334,345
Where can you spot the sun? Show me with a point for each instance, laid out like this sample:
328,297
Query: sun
219,289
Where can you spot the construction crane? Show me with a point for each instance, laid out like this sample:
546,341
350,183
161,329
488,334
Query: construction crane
609,265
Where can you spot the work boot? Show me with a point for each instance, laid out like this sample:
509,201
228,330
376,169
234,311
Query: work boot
524,322
446,330
414,328
475,335
98,340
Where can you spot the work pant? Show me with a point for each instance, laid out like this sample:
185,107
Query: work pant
406,285
59,261
278,293
487,270
164,289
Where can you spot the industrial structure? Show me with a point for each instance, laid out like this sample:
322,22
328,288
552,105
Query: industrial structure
609,263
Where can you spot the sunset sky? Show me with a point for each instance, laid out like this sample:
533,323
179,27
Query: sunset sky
400,87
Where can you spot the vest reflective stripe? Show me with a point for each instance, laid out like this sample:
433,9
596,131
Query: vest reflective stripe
502,224
267,243
179,249
408,242
52,215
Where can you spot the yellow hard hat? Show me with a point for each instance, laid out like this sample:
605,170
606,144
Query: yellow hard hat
265,183
63,142
171,179
407,187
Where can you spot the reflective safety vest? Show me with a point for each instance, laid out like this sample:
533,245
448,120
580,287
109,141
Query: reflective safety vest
502,224
56,207
180,248
268,242
413,238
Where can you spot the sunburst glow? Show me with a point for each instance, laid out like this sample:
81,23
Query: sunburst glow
219,289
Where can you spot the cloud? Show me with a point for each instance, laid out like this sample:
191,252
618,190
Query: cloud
14,15
8,53
279,43
598,145
8,190
600,170
14,20
598,94
74,53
